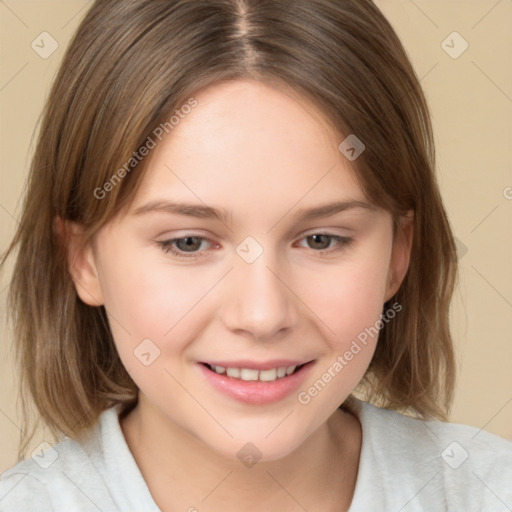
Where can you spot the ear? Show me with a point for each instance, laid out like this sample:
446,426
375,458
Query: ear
400,255
80,260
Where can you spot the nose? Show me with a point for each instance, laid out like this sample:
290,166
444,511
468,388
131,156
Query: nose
259,301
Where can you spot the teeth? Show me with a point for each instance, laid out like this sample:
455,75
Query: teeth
248,374
290,370
233,372
268,375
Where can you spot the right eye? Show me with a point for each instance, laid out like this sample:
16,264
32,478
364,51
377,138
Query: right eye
184,247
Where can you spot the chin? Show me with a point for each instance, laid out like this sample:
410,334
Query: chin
250,453
252,443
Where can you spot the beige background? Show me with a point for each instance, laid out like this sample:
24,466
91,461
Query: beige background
471,101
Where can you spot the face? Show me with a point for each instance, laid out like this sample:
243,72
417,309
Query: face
240,281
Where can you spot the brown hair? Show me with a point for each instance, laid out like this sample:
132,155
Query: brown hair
133,62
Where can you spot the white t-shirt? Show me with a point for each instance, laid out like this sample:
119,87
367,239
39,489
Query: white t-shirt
406,465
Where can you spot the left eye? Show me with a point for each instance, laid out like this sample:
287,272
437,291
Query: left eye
322,242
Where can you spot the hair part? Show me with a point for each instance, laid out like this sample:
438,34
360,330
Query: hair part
133,62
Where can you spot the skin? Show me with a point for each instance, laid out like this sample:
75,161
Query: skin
263,154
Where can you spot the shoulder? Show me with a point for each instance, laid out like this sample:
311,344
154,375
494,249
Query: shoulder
424,464
54,478
67,476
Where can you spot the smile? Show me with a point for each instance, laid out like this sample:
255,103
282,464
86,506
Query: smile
251,374
256,383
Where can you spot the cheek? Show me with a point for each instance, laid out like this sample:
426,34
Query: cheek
149,299
147,293
350,303
350,297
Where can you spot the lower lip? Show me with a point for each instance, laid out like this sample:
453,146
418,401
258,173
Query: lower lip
257,392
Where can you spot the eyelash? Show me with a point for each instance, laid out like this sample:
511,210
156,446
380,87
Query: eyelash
168,247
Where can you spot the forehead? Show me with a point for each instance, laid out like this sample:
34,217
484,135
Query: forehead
249,144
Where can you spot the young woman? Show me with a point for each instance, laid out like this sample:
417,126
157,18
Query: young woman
232,226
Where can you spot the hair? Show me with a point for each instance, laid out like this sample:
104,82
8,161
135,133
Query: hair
129,66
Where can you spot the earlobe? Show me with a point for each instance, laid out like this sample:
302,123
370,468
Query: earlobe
81,261
401,253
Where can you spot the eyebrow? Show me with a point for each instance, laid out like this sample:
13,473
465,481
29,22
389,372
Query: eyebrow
329,209
205,212
191,210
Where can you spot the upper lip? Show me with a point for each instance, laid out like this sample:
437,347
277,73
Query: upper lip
253,365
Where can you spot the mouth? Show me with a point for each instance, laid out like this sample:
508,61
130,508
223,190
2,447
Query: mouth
256,383
254,374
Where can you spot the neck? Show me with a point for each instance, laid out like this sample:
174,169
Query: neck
183,473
